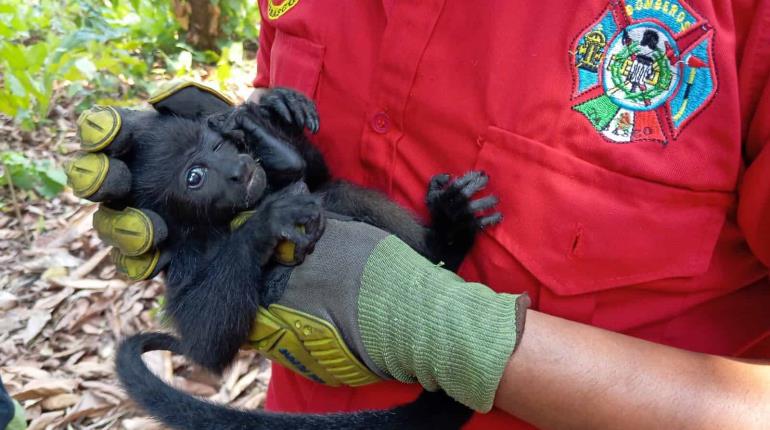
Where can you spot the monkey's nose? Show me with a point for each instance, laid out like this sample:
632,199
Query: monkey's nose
242,170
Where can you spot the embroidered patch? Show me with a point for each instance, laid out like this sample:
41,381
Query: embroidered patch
276,11
643,70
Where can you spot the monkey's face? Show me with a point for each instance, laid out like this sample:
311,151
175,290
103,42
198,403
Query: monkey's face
219,176
184,170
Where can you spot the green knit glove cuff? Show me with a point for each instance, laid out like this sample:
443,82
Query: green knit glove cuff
421,323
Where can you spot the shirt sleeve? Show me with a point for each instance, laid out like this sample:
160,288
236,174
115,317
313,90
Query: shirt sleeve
266,36
754,189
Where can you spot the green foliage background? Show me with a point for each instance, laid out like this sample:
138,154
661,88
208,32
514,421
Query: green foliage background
85,52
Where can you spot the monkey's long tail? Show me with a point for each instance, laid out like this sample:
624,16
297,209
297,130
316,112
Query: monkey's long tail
182,411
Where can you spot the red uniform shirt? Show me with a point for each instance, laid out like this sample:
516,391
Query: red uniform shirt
618,136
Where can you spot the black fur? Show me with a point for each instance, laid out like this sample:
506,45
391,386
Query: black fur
213,278
179,410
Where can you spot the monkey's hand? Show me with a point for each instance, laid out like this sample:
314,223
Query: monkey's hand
456,216
288,222
364,306
291,107
107,135
253,123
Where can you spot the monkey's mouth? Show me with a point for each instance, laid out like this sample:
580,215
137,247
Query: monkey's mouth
255,187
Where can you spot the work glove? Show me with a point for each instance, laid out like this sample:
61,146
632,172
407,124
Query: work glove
99,175
364,307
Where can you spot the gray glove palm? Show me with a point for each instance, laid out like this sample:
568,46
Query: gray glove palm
401,315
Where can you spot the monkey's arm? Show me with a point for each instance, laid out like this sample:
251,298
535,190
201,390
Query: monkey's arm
455,216
376,209
213,297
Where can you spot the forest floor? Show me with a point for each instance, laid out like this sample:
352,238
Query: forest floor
63,307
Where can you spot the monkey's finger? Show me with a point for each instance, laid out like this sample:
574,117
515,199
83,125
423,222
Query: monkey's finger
489,220
297,113
436,188
294,247
311,116
483,204
132,231
278,106
98,178
472,183
439,182
283,163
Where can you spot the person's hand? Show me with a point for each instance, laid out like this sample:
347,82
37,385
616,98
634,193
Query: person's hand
99,175
364,307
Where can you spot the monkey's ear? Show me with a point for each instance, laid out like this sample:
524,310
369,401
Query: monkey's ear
189,99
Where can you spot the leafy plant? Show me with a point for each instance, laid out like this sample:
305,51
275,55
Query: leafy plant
92,50
43,177
84,49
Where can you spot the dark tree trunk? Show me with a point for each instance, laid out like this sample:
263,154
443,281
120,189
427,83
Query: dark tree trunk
201,20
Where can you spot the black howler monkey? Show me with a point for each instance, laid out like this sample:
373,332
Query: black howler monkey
198,174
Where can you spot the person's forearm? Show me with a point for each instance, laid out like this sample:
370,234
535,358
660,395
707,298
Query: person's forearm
569,375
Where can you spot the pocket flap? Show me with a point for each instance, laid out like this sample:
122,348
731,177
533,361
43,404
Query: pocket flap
295,63
581,228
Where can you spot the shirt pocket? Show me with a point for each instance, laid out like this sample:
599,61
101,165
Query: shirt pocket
581,228
295,63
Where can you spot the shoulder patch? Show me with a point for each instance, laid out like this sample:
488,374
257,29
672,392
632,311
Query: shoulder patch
643,70
275,11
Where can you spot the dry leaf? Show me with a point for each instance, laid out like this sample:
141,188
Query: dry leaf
243,383
51,258
7,301
252,401
91,264
91,370
60,401
89,405
141,424
26,371
234,374
41,422
39,388
110,392
53,301
88,284
159,362
194,388
54,272
37,320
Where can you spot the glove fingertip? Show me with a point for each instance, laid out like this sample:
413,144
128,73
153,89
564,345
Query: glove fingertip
160,229
98,178
117,183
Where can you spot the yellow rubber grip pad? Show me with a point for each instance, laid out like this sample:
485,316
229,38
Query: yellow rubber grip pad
308,345
129,230
137,268
86,174
284,252
97,127
169,88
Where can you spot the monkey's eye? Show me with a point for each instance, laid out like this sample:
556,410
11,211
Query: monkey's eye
196,176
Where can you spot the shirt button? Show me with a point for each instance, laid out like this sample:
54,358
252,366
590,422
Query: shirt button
380,122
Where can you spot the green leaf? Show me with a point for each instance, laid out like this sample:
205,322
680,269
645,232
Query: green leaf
15,85
236,52
86,67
